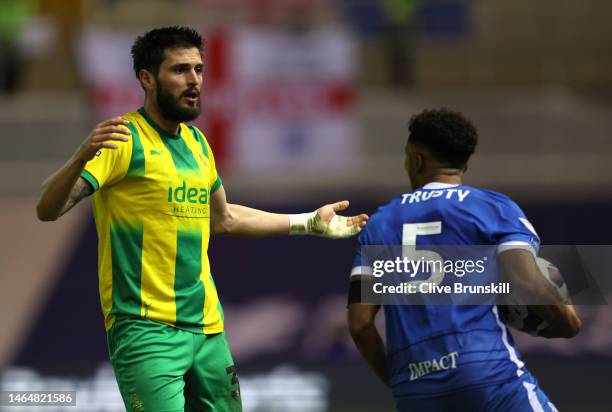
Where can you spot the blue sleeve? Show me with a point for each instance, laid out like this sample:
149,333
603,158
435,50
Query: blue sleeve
362,264
513,228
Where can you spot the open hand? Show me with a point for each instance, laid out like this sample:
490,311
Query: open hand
329,224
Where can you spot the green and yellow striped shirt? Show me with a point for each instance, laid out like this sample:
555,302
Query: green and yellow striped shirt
152,212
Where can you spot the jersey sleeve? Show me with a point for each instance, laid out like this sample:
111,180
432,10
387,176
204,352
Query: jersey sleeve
109,166
362,265
513,230
214,178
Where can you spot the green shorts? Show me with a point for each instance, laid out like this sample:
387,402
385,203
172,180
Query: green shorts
162,368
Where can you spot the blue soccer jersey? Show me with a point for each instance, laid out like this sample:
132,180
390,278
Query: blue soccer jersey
441,349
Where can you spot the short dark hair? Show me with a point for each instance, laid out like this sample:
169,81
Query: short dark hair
448,135
148,49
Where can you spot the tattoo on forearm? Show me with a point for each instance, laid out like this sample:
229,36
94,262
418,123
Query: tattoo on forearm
81,190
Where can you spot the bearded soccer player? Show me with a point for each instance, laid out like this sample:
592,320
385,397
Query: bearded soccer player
441,357
157,198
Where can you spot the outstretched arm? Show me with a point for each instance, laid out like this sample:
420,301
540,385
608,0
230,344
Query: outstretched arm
227,218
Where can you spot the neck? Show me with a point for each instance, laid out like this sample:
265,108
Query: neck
448,176
156,114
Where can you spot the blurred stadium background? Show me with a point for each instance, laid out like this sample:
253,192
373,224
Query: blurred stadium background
304,102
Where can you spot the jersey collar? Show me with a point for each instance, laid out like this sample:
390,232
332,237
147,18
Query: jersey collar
155,126
438,185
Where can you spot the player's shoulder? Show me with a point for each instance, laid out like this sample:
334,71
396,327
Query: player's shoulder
499,206
133,117
386,213
194,132
388,209
137,123
379,224
140,120
491,196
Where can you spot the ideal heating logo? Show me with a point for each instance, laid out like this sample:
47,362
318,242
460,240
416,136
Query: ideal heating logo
184,193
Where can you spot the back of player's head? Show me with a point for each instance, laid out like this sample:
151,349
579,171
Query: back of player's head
447,135
148,49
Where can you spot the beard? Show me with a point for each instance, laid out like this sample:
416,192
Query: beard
171,108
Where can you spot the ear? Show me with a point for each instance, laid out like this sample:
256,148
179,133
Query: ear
419,162
147,80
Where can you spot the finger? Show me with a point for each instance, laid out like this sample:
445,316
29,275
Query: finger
114,121
362,220
338,206
109,136
359,220
113,129
107,145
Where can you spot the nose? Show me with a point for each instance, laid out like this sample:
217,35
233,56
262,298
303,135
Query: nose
194,78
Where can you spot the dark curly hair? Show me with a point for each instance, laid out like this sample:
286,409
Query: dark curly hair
148,49
448,135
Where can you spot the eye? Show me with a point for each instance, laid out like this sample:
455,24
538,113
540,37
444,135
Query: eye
179,70
198,69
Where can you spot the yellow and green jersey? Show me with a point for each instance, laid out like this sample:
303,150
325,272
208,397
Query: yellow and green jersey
152,210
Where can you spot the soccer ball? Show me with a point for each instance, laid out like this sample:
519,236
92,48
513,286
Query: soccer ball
518,316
